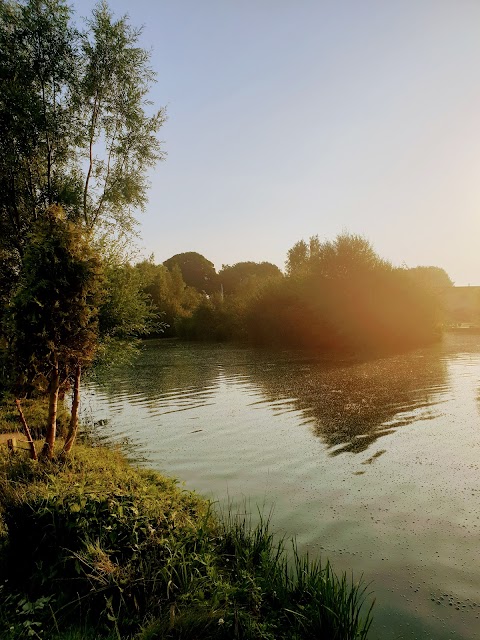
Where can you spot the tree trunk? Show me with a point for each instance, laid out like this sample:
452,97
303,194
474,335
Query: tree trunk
33,453
54,386
73,427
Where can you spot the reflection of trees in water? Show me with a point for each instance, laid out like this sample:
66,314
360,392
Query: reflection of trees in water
353,404
162,369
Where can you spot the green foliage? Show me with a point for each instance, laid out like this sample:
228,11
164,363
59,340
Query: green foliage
54,311
341,295
280,314
116,133
37,53
343,257
21,617
215,319
261,593
300,256
36,413
68,96
245,275
171,298
37,67
126,310
125,551
76,127
197,271
224,317
338,295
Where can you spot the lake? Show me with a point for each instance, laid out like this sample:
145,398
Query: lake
374,465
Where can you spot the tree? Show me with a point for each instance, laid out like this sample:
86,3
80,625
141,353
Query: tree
343,256
117,137
171,298
433,278
232,277
297,258
341,295
54,318
126,311
36,68
76,128
76,131
197,271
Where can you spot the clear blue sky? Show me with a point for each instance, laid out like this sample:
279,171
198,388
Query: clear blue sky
300,117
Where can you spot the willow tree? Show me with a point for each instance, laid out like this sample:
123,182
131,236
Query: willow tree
55,314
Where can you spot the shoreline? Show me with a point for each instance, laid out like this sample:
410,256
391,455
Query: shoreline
149,560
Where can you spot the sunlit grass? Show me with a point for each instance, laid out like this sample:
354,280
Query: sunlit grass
127,553
36,415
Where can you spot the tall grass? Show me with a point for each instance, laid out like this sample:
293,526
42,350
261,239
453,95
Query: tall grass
119,552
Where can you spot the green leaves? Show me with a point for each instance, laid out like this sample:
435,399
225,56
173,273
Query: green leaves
76,127
55,308
118,136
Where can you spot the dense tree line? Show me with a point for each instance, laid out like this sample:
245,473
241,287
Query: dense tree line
341,295
334,295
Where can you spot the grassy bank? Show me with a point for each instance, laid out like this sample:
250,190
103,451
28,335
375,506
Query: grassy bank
36,415
95,548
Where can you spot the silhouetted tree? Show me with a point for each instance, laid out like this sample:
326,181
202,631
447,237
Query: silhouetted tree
341,295
300,256
171,298
433,278
197,271
232,277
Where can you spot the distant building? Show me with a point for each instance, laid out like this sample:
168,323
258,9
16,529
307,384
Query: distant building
462,305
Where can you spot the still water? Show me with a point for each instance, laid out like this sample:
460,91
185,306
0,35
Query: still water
374,465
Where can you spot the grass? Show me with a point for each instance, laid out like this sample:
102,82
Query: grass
36,414
95,548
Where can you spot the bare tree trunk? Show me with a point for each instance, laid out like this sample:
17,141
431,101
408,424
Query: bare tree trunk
73,427
33,453
54,386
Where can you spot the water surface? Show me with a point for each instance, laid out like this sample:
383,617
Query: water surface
374,465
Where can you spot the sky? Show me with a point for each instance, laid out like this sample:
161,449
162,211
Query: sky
292,118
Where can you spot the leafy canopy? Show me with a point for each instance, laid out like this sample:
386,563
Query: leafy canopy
54,314
232,277
76,130
76,126
197,271
434,278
